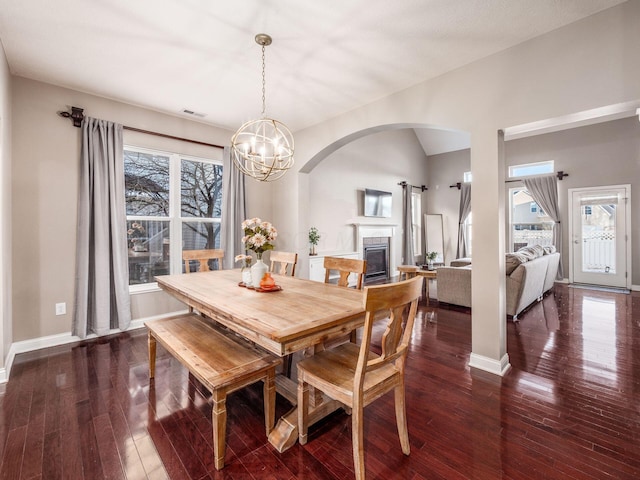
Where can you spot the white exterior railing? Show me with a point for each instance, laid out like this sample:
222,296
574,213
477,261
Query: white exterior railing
599,251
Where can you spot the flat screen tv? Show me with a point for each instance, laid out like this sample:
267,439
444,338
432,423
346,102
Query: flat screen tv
377,203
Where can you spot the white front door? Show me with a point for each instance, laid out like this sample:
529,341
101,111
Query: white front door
598,235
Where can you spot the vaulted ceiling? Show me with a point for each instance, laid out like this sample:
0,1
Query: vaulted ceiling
327,57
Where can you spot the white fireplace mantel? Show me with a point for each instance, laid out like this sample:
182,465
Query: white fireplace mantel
364,230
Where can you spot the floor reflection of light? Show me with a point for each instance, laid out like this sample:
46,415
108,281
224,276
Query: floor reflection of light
599,337
544,387
549,347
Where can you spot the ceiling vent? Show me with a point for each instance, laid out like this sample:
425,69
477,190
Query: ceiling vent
195,114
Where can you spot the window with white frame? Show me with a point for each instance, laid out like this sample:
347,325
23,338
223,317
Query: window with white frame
527,169
467,177
173,203
416,216
530,225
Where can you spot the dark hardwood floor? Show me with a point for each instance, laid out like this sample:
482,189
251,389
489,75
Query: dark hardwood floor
569,408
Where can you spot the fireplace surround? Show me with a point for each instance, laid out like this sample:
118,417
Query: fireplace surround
376,234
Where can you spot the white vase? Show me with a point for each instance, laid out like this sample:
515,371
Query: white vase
258,270
246,276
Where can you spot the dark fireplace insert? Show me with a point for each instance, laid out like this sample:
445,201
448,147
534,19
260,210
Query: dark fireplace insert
377,257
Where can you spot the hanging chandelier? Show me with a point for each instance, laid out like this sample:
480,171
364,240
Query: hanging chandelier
263,148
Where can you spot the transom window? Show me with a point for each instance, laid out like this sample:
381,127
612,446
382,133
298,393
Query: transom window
173,203
527,169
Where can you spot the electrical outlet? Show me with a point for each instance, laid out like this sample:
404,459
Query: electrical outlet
61,308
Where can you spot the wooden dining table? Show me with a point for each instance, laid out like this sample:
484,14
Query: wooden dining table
303,315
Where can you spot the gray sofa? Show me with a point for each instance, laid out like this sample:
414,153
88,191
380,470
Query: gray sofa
531,272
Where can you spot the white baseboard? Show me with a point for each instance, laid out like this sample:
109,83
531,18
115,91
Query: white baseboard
65,338
497,367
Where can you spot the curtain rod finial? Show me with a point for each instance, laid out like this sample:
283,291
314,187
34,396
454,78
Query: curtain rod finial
76,116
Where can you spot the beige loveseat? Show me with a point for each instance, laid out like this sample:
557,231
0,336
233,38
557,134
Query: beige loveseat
531,272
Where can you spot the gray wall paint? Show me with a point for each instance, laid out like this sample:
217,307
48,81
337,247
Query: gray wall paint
379,161
596,155
444,170
5,209
603,154
45,182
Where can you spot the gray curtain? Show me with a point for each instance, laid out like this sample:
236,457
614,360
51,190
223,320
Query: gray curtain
544,191
102,272
233,210
465,210
407,227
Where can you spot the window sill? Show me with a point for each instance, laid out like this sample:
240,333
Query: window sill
144,288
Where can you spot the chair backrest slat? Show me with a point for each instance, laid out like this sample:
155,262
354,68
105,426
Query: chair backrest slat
395,299
202,256
281,260
345,266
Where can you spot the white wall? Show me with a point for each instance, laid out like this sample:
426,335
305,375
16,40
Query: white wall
379,161
5,211
46,151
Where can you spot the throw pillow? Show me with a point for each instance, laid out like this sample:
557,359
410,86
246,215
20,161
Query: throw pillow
532,251
548,250
513,260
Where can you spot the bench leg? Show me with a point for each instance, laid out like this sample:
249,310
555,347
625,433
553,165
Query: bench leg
269,394
219,421
152,355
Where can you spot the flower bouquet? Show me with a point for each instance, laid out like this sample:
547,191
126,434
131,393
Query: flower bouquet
258,237
244,269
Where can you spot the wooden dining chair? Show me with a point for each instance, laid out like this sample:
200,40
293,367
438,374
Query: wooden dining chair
345,267
203,256
355,376
280,261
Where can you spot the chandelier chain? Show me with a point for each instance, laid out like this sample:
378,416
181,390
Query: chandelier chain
263,149
264,82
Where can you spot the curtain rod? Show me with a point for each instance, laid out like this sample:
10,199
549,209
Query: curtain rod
404,184
76,115
559,174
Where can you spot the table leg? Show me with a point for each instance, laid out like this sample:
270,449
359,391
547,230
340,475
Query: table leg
151,341
426,289
285,435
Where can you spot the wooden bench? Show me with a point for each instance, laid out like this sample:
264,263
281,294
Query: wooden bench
221,361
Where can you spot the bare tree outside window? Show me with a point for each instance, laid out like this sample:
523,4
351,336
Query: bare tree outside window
153,183
146,180
201,197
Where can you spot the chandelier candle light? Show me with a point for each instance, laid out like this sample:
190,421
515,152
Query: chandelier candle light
263,148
